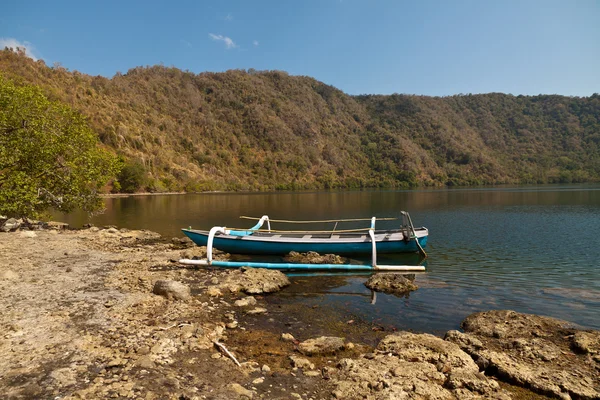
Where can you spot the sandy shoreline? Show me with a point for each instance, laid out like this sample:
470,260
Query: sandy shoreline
80,320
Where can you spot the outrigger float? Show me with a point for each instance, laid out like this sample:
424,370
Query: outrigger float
362,241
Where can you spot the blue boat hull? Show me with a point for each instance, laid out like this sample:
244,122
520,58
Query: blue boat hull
240,245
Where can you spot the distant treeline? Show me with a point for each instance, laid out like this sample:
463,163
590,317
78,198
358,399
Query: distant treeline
264,130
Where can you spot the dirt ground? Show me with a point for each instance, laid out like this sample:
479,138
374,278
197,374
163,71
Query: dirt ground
80,320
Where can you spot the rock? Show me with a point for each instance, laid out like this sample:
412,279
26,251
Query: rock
321,345
187,331
194,252
265,368
300,362
183,242
199,252
587,342
245,302
214,292
11,224
145,362
536,348
392,283
255,280
250,367
257,310
287,337
464,341
231,325
32,224
476,383
510,324
172,290
116,362
258,381
55,225
410,366
240,390
427,348
313,258
311,373
533,351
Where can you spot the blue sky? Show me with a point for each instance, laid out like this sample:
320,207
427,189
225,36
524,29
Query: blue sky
379,46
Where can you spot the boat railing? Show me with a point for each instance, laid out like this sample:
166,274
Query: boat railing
261,220
238,230
407,228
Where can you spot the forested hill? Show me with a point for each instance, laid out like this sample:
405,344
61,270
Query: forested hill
261,130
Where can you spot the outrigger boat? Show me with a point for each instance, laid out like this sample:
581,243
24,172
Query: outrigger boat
257,240
362,241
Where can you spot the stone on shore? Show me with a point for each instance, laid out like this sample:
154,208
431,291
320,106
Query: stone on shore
313,258
172,290
241,391
255,281
288,337
257,310
214,292
534,352
56,225
392,283
588,343
407,366
321,345
300,362
11,224
245,302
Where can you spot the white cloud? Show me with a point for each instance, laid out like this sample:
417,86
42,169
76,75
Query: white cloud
255,42
14,43
186,43
229,17
229,44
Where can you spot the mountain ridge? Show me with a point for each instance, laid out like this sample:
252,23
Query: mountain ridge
265,130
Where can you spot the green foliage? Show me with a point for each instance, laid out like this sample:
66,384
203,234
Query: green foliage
131,178
49,157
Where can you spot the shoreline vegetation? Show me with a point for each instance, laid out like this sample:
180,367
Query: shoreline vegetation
109,313
110,195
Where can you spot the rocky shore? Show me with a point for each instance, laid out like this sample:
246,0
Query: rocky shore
109,313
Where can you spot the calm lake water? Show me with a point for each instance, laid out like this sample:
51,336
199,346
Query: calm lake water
529,249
